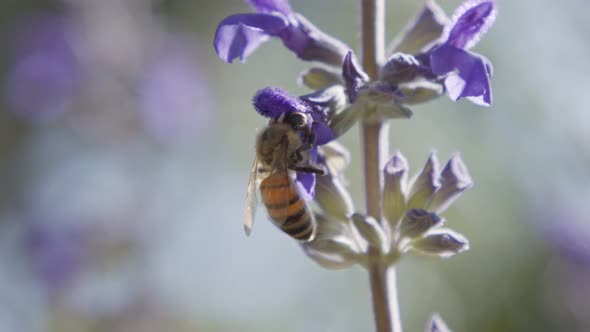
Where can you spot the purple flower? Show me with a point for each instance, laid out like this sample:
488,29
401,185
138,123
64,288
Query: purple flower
276,103
172,93
239,35
42,83
467,74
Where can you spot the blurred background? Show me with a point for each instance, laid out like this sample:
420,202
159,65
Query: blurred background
126,145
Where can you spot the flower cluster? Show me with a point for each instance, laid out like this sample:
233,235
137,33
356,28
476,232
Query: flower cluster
411,209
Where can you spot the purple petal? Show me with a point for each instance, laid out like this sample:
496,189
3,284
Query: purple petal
470,21
170,87
323,133
239,35
269,6
468,74
271,102
42,83
306,184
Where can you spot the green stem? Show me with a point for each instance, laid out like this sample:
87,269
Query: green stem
375,148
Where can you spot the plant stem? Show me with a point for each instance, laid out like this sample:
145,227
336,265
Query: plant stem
375,148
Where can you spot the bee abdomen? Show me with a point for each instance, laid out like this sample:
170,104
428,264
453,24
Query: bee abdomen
286,208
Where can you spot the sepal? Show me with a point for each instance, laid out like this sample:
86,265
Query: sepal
371,231
442,242
454,180
424,184
416,222
395,188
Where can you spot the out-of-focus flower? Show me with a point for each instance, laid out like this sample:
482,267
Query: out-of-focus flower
43,81
57,252
74,64
172,94
239,35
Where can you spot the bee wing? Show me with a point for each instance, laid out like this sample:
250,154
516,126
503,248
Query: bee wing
251,199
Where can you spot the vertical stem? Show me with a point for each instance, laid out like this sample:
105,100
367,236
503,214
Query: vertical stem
375,148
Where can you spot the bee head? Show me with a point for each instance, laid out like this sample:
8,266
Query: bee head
297,120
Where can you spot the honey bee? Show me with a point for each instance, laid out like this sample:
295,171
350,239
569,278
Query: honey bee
280,147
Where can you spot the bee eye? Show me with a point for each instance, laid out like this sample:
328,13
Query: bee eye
296,120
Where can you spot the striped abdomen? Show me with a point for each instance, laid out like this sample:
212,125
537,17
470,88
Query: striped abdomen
286,208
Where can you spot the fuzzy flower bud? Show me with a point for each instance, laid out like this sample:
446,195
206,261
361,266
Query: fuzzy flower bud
336,252
425,184
395,188
442,242
417,222
331,193
371,231
454,179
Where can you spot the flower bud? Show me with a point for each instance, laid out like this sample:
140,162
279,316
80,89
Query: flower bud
454,179
333,253
400,68
331,193
419,91
332,197
395,188
342,121
424,184
354,76
379,100
436,324
422,31
371,231
417,222
442,242
318,78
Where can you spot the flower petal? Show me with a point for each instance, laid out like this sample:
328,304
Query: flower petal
239,35
323,133
306,184
271,102
470,21
468,73
269,6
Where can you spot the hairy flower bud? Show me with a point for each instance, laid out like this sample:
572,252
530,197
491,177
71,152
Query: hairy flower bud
333,253
402,67
395,188
417,222
454,179
331,193
371,231
442,242
378,100
424,184
436,324
419,91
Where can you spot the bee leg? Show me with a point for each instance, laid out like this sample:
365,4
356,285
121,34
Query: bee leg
309,168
